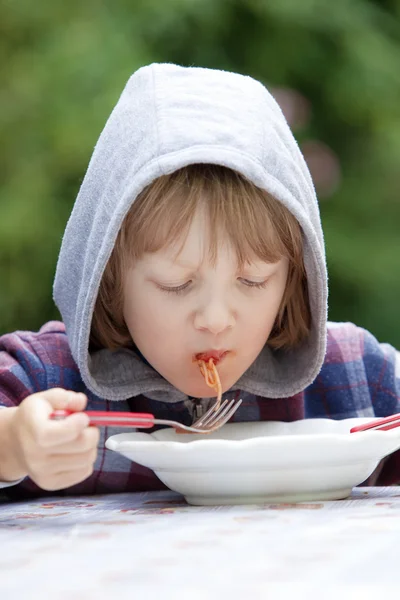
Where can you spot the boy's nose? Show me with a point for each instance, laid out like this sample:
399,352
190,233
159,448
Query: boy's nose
215,318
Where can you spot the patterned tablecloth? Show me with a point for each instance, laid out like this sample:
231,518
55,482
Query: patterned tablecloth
154,545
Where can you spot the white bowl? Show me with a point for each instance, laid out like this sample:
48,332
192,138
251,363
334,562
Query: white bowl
250,463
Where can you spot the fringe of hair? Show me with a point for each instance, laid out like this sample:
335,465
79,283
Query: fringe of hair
256,224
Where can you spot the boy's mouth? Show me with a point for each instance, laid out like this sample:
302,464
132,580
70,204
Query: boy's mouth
216,355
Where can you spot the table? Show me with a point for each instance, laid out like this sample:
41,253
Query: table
154,545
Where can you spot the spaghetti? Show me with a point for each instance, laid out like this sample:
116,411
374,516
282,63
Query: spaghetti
210,374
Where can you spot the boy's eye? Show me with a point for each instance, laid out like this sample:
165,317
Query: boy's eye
254,284
175,290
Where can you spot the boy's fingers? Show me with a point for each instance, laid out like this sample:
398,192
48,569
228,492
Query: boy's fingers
39,406
59,399
48,433
64,479
57,463
77,401
87,440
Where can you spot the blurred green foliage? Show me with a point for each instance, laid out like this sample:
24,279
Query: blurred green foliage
65,64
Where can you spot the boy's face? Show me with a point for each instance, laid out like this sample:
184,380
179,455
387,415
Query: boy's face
177,307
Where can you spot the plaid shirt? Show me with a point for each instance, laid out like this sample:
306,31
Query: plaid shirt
359,378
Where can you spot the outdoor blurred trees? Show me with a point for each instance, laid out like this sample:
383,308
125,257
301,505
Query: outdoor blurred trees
334,66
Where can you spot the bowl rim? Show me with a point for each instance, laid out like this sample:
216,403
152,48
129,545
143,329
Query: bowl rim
124,441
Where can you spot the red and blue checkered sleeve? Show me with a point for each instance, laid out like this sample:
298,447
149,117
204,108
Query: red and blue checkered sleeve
382,368
21,370
33,362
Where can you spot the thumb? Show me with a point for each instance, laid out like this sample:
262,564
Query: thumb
60,399
38,408
36,416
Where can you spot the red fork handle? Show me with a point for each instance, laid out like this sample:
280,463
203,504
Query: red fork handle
104,417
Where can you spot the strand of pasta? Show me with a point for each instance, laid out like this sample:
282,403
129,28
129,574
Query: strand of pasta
210,374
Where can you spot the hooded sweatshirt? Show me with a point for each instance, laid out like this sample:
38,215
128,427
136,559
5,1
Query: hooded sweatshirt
166,118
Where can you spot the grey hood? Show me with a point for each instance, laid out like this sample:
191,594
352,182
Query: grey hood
166,118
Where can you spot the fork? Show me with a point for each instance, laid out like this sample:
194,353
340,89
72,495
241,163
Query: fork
209,422
380,425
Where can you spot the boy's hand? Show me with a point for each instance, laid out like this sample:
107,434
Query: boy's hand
55,454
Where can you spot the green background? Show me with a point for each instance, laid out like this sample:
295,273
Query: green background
64,65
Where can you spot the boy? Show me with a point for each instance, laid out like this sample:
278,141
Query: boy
196,231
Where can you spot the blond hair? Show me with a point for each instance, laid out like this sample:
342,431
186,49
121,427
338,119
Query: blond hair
256,224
